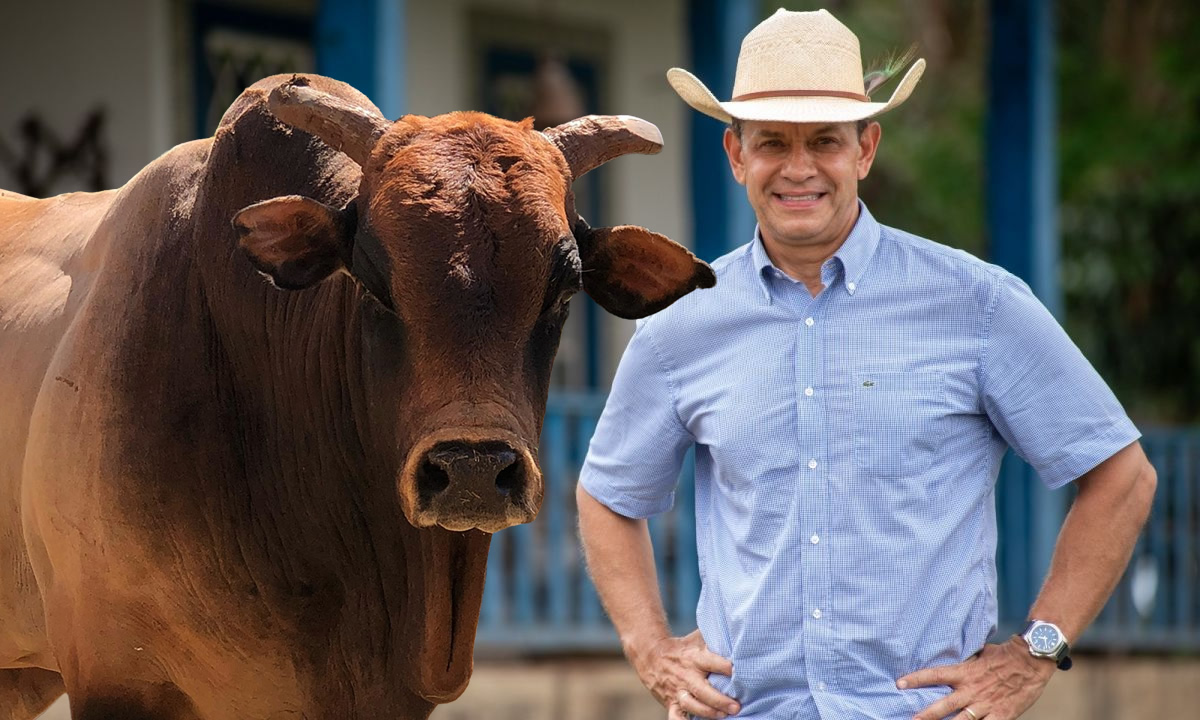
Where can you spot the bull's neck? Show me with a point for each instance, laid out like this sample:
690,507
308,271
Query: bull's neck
294,361
321,478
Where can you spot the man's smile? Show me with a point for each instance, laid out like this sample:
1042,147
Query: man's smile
798,201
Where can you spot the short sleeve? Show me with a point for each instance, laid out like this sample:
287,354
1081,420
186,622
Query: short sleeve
1042,394
636,453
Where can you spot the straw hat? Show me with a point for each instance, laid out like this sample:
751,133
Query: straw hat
795,67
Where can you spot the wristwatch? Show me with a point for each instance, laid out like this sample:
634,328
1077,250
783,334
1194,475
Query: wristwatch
1045,640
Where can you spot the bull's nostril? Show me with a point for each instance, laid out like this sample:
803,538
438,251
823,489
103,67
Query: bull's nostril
463,472
431,481
510,479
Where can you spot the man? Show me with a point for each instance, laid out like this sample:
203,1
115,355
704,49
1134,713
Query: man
850,390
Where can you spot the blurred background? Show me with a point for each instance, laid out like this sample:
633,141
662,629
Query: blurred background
1059,139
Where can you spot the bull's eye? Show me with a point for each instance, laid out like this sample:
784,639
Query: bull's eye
564,301
566,277
378,298
557,305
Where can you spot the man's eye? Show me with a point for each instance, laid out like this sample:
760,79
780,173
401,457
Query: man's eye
826,141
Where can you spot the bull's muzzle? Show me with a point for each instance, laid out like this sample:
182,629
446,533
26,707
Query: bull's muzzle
463,484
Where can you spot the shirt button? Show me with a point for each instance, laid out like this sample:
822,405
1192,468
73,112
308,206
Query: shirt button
850,287
812,464
820,686
817,613
814,539
808,322
808,391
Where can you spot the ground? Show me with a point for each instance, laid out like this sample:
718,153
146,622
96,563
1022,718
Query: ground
1098,687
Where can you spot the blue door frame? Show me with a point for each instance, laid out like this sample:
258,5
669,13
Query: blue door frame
1022,203
362,42
721,216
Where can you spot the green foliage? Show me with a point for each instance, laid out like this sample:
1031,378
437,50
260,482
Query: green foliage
1129,141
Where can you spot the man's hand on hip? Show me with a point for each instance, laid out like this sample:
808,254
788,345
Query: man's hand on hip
676,671
999,683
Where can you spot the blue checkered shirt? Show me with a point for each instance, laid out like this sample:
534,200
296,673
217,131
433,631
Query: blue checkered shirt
847,450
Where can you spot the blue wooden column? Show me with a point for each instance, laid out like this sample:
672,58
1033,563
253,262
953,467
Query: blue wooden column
362,42
721,216
1022,192
1022,200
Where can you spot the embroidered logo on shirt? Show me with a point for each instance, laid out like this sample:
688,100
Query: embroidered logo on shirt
868,383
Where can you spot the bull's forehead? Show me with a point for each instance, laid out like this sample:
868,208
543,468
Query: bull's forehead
468,206
453,167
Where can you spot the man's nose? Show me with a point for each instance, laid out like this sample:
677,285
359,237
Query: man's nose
798,165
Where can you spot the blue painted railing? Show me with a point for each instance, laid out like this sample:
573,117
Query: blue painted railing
1157,604
538,597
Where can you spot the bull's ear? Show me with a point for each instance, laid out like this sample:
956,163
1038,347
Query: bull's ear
633,272
296,241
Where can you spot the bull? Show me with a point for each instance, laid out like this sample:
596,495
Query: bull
225,496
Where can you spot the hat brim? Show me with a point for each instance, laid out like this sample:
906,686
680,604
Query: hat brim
789,109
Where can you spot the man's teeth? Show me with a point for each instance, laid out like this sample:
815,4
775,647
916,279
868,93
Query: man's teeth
813,196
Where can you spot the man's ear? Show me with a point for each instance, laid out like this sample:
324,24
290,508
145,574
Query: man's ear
632,272
296,241
868,143
733,150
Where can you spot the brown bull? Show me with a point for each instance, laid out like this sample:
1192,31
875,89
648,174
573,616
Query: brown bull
223,499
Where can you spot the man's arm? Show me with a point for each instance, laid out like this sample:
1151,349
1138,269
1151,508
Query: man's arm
621,561
1092,551
1097,540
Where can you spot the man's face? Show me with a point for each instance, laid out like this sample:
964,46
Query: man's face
802,178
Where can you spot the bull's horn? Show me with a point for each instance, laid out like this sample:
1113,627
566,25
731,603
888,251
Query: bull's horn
343,126
591,141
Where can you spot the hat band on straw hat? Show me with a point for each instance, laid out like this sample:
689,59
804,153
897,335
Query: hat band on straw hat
801,93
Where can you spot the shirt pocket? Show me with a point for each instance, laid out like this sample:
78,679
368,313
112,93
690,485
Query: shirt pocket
896,421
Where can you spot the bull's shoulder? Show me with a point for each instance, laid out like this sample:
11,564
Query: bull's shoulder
53,250
40,240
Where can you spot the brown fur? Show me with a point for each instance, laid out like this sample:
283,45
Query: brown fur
210,503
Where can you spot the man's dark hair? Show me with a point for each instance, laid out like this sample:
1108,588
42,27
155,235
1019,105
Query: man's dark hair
736,126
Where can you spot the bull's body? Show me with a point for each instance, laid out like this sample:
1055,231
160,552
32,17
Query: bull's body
198,478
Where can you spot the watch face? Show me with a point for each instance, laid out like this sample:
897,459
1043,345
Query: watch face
1044,638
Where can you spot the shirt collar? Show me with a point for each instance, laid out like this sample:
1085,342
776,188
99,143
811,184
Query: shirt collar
854,254
859,248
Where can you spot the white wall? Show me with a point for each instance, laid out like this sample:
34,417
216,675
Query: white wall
64,58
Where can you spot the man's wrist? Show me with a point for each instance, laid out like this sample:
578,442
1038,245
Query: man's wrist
1044,666
638,646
